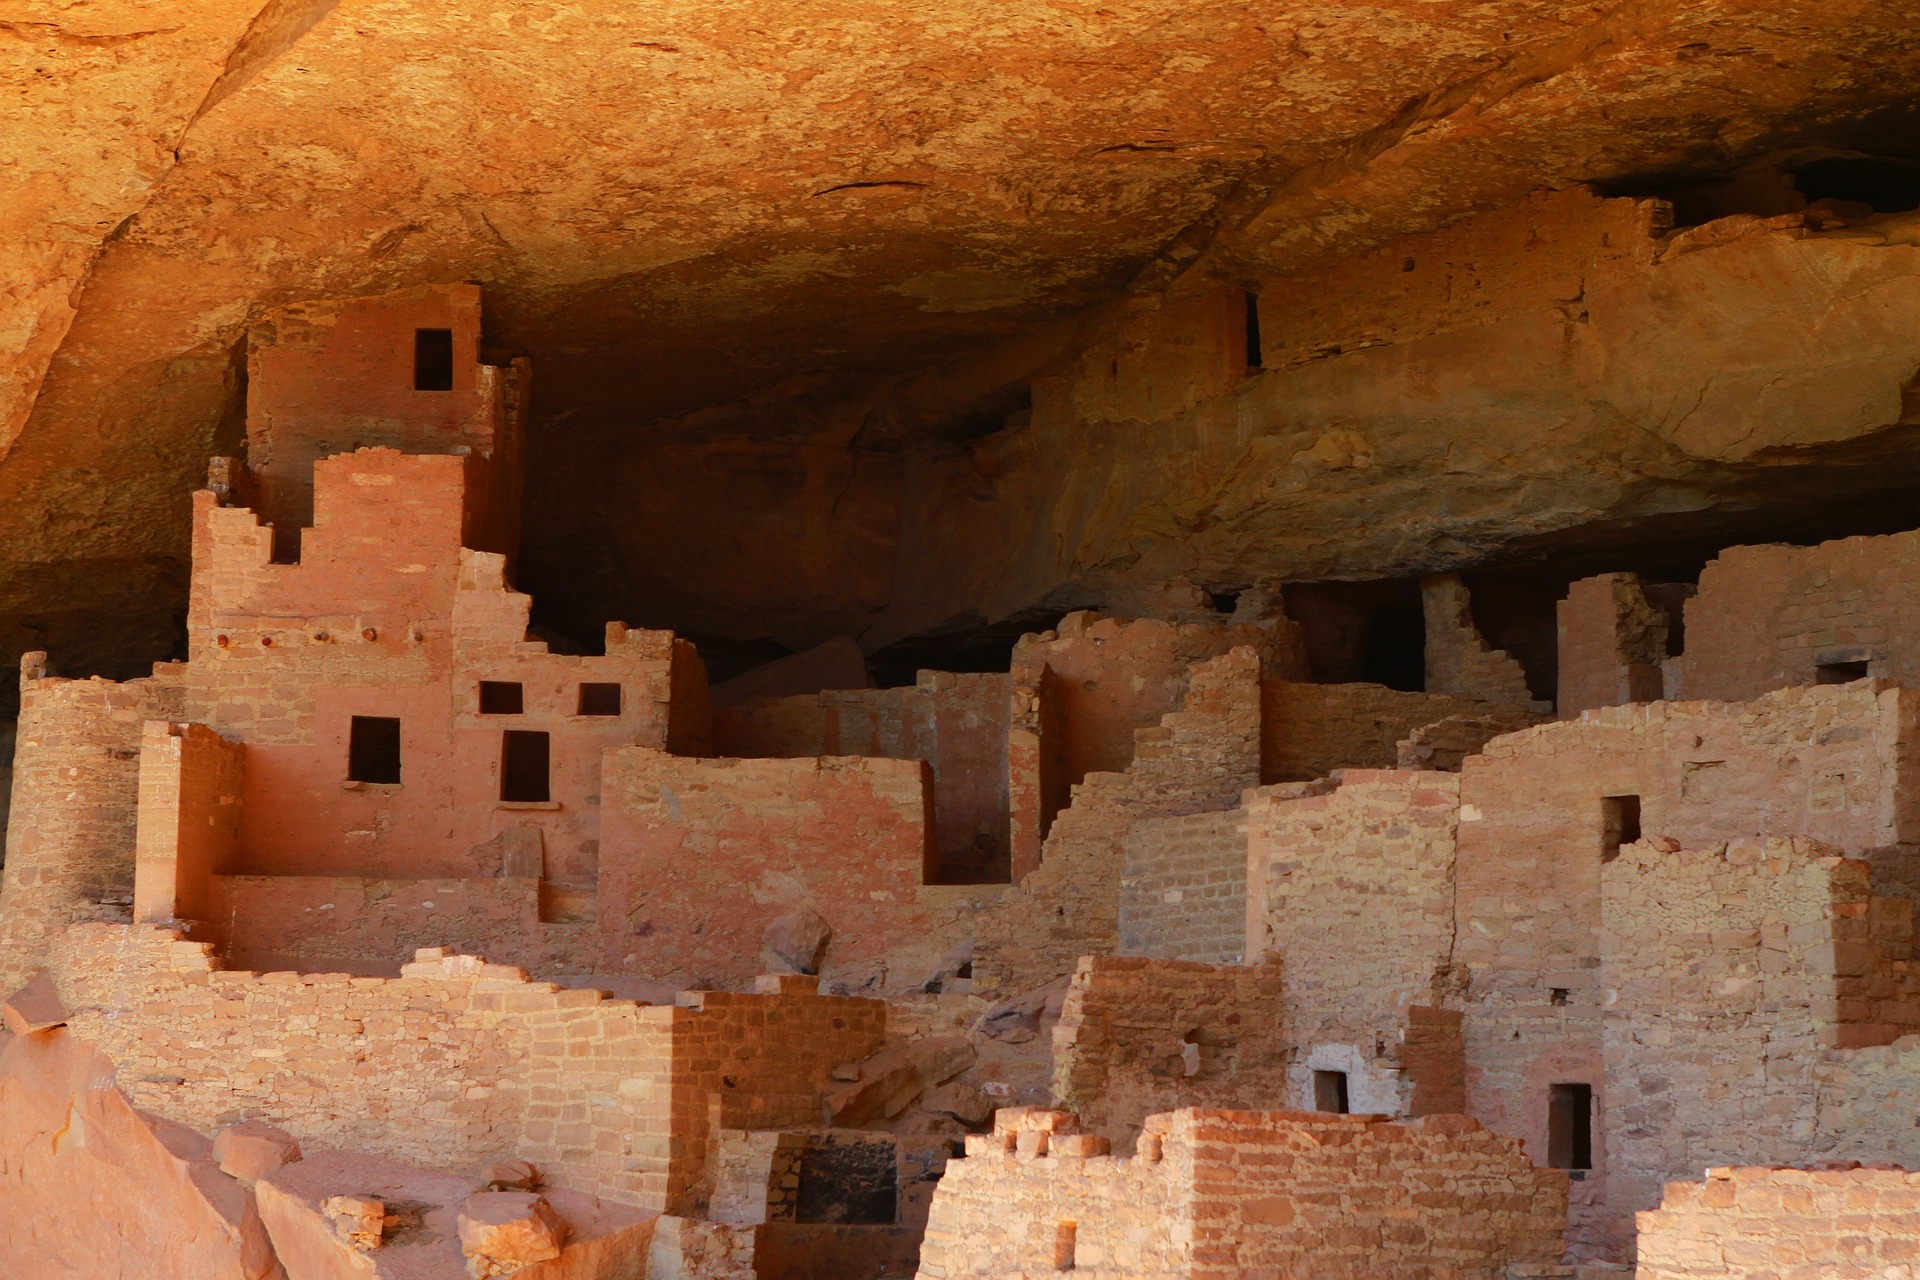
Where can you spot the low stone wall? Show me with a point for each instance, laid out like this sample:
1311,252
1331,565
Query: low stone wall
1137,1036
1245,1193
457,1061
1767,1223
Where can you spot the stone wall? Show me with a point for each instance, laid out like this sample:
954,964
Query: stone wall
1612,645
1731,972
1197,760
1446,744
1768,617
1252,1193
1760,1223
1458,660
1309,730
957,723
1352,887
1183,890
76,788
700,856
457,1061
1535,831
1137,1036
187,830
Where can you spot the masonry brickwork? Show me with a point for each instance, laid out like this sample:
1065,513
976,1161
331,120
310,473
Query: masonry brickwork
1537,826
1351,888
1612,645
1183,891
1226,1194
1197,760
957,723
1761,1223
712,851
1309,730
1458,660
1139,1036
458,1061
1740,978
76,795
1768,617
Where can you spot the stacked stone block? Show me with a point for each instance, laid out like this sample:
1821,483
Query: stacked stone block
1762,1223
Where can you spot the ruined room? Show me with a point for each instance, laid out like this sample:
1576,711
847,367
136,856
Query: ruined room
835,640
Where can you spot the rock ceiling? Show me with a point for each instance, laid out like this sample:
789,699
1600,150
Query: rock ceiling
691,214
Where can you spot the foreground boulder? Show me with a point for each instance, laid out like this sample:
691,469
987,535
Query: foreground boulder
90,1187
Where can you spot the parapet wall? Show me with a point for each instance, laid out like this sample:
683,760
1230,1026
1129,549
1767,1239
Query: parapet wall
1137,1036
457,1062
1762,1223
1218,1195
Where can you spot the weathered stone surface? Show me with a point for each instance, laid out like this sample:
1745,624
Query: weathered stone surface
252,1149
797,938
34,1007
90,1187
890,1080
503,1231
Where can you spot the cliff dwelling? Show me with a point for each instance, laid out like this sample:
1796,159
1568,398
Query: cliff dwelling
797,641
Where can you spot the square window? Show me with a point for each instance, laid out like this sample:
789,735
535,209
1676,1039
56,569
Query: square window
599,699
1839,672
524,762
1330,1091
501,698
433,359
373,749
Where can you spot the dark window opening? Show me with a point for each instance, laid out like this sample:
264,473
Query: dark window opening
1253,330
433,359
1396,648
1570,1126
286,544
1839,672
1558,995
373,749
964,971
1330,1091
1224,601
501,698
855,1180
524,756
1619,824
1065,1245
599,699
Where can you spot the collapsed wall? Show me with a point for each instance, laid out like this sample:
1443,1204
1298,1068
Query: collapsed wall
1215,1195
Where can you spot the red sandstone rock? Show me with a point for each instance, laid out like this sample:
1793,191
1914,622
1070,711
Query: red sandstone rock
891,1079
506,1230
797,938
90,1187
358,1221
251,1150
34,1007
964,1102
832,664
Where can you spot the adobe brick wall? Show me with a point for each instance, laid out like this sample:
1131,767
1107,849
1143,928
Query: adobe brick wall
1766,616
1096,682
387,615
1309,730
1458,660
1351,884
457,1061
329,377
956,722
1731,971
1761,1223
1197,760
76,785
1183,888
1139,1036
187,829
1612,645
1225,1194
1827,762
701,855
